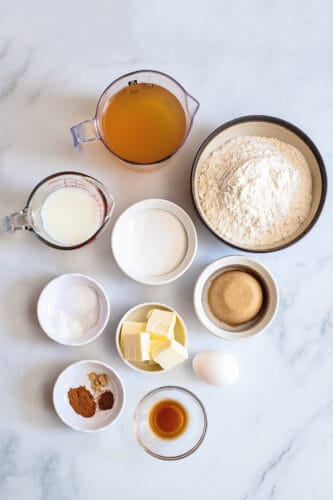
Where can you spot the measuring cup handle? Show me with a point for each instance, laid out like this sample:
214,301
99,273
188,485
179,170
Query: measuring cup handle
85,131
17,221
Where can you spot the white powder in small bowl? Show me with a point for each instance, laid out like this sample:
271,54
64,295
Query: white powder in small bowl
75,312
255,190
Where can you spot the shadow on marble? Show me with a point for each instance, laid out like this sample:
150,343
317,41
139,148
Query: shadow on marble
73,105
201,131
21,309
43,129
35,394
11,201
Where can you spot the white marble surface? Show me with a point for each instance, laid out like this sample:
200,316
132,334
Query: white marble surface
271,435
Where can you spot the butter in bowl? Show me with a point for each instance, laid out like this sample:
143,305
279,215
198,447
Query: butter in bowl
152,337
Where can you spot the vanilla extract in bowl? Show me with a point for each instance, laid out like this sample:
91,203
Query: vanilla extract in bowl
168,419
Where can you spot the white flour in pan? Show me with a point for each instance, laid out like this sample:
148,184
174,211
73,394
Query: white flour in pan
255,190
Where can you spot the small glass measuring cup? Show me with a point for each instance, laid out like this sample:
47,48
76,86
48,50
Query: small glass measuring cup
30,217
91,130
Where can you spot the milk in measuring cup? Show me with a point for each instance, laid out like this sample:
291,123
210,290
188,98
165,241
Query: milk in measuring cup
70,215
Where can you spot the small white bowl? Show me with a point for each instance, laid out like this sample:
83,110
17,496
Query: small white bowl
139,313
120,243
52,299
76,375
222,330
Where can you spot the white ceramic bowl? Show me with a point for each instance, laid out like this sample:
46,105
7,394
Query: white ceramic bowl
265,317
265,126
76,375
139,313
52,299
120,243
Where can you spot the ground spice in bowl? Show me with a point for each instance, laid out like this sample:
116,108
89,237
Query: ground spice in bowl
98,381
82,401
235,297
106,400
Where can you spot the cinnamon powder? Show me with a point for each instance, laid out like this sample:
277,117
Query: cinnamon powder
82,401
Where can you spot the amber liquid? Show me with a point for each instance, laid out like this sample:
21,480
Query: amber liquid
168,419
143,123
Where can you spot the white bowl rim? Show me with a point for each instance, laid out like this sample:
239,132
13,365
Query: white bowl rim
220,264
122,319
101,292
189,227
119,381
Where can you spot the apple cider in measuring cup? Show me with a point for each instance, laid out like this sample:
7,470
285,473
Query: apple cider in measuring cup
144,123
143,118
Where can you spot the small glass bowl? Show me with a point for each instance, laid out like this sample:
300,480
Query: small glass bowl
185,444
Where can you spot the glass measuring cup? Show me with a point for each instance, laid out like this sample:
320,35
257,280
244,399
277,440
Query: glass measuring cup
91,130
30,217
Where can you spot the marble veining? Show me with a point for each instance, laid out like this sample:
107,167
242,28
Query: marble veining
270,435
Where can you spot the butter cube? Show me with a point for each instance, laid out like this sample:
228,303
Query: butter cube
136,346
130,327
160,324
169,354
133,327
161,338
154,343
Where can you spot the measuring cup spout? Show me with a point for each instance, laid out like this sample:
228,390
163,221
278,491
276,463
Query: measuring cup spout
18,221
85,131
192,105
108,202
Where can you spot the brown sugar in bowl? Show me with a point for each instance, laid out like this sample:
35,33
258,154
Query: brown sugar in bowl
262,319
235,297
